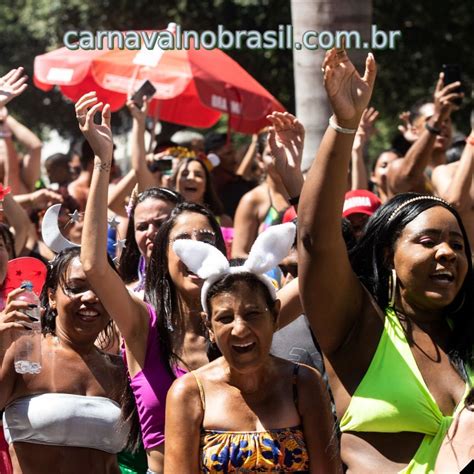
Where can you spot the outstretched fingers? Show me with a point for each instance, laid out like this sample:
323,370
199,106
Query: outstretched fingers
440,82
90,114
14,76
451,87
370,72
85,98
82,106
106,115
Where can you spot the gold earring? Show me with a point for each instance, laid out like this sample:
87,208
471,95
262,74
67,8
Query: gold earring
392,288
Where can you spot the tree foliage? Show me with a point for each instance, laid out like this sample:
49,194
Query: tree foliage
433,33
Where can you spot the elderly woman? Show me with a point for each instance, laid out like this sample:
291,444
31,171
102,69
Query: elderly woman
399,309
247,410
68,417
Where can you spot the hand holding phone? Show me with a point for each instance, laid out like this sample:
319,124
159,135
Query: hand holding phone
162,165
147,89
452,73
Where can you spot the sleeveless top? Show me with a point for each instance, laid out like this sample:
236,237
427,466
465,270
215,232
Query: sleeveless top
64,419
392,397
272,217
276,450
150,387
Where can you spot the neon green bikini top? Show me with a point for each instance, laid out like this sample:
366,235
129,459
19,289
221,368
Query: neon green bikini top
392,397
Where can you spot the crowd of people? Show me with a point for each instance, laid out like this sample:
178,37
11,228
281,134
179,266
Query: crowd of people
216,311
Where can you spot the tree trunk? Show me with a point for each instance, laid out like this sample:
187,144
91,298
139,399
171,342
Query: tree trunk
312,107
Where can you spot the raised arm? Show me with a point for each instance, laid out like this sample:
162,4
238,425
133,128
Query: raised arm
245,224
331,293
405,175
119,193
246,163
12,176
30,172
286,143
358,170
144,176
12,85
129,313
455,187
19,220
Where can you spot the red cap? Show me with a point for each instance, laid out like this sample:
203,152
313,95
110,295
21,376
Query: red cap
360,201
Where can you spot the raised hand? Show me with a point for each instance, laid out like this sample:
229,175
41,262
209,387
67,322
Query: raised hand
139,114
406,129
286,142
99,136
348,93
366,127
444,97
12,85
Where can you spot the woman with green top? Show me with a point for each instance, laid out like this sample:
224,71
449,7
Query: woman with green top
393,318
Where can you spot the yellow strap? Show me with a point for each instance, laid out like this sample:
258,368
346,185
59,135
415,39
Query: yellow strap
201,391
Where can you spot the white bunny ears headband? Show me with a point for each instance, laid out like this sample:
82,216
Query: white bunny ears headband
208,263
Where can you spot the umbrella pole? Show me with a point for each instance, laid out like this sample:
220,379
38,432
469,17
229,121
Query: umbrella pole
229,129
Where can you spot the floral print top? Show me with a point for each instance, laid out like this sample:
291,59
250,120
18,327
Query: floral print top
279,450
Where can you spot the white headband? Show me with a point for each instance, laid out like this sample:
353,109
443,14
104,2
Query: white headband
208,263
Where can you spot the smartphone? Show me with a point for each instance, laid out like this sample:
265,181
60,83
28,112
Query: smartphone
452,73
162,165
146,89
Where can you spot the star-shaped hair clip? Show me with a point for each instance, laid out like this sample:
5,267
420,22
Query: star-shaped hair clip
113,222
120,244
75,216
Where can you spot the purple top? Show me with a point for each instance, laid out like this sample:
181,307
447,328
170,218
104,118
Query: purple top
150,387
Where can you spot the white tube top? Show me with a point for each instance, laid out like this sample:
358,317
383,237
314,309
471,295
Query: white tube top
63,419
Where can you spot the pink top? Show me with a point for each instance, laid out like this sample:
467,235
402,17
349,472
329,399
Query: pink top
150,387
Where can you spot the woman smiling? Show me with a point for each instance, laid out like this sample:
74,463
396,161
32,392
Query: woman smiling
399,306
268,414
68,416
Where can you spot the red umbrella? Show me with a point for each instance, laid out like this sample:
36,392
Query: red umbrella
194,86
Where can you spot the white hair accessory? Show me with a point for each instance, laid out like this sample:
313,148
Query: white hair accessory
208,263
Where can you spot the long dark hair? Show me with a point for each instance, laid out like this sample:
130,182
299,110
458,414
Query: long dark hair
159,288
8,239
56,277
372,260
128,264
210,199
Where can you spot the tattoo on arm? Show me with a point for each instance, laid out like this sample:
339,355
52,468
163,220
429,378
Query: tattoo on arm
103,166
